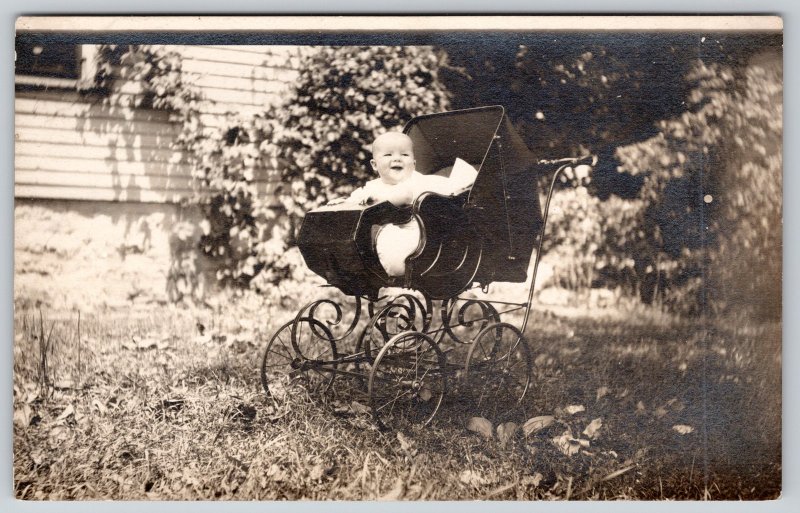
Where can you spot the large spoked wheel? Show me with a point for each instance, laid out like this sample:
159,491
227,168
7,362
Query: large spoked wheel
312,365
498,371
407,381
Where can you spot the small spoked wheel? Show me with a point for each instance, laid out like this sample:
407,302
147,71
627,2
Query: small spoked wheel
498,371
301,352
407,381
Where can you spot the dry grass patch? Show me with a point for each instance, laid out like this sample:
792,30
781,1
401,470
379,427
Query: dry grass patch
169,406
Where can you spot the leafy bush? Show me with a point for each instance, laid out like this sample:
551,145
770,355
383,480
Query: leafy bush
344,98
712,186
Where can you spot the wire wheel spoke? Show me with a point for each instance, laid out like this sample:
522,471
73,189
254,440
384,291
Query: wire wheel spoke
498,370
302,351
407,382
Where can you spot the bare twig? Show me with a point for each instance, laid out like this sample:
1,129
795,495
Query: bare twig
503,489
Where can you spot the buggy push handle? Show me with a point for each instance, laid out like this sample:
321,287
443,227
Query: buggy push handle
590,160
562,164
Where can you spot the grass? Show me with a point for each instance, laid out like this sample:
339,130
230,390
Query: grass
145,406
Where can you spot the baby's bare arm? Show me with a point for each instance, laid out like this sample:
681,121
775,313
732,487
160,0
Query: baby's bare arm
398,195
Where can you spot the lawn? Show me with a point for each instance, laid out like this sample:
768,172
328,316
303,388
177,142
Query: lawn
167,404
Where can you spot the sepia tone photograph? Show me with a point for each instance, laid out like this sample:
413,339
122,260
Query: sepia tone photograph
398,258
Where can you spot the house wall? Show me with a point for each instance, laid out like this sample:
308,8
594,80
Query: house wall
91,179
79,254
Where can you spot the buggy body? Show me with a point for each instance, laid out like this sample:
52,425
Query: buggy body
483,235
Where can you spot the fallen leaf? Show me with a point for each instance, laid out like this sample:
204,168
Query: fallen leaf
505,432
683,429
276,473
31,393
569,446
64,384
602,392
69,410
23,415
357,407
481,426
660,412
146,343
593,427
340,408
425,392
574,408
562,443
472,478
536,424
533,480
37,456
317,472
396,492
675,404
100,407
405,443
59,433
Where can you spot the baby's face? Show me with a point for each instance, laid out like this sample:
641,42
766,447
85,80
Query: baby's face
393,157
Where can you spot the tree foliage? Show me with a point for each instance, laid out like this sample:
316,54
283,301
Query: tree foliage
673,118
712,192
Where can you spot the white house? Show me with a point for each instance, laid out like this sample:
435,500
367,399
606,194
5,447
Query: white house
97,187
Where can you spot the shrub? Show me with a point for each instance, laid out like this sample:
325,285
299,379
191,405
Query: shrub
712,189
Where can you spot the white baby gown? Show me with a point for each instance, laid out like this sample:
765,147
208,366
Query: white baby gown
395,242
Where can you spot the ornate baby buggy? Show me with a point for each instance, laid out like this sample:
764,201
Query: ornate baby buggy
405,354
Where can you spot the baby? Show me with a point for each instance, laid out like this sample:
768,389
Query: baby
400,183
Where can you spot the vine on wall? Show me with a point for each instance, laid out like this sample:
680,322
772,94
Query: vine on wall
151,77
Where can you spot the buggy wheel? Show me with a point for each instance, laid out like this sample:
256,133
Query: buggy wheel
407,382
498,371
315,367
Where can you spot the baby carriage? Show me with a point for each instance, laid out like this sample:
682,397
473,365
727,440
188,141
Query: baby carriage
408,350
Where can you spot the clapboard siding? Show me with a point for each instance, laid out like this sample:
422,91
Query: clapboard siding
141,140
114,124
106,194
72,107
69,104
100,166
264,57
222,69
111,154
71,146
99,194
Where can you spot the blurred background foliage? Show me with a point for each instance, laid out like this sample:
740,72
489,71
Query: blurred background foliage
683,208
